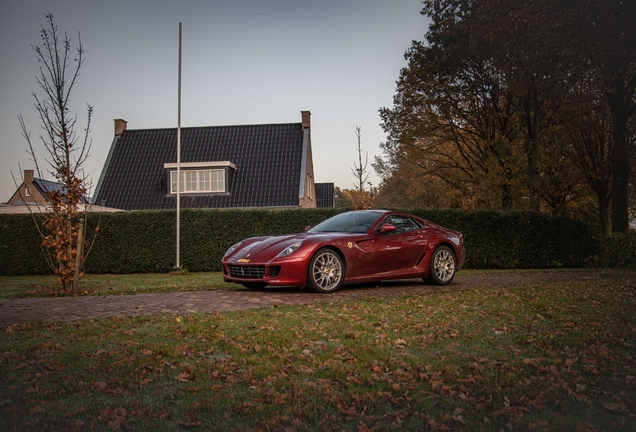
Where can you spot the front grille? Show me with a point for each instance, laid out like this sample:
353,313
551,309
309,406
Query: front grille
247,272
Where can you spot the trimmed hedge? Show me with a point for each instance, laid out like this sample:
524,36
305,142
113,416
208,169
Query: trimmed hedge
20,251
131,242
518,239
618,250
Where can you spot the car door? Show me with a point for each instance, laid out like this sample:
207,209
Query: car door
399,250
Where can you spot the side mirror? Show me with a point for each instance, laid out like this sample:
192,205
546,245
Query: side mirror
308,227
385,228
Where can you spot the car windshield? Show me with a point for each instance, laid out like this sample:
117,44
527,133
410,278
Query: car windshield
358,221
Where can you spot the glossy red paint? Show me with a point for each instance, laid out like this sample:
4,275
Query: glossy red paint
380,251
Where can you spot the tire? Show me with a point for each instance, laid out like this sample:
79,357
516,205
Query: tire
254,285
326,271
442,269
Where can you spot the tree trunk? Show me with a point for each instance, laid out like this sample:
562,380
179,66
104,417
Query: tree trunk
79,254
603,205
620,182
506,196
533,175
619,103
532,108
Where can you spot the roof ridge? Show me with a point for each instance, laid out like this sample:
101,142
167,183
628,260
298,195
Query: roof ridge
216,127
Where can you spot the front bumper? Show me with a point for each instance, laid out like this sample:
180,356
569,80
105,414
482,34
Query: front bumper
286,273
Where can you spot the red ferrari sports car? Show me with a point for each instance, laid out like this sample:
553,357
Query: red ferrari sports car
358,246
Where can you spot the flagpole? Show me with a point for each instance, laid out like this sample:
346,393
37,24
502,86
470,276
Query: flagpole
178,266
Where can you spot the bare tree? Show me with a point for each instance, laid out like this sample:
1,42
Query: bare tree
64,239
362,201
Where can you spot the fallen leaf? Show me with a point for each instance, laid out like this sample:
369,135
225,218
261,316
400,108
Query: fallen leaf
459,419
362,427
99,385
191,420
183,377
614,406
37,410
539,424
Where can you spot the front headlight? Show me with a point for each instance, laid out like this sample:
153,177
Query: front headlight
233,248
289,250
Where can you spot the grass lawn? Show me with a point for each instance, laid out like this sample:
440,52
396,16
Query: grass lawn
539,357
112,284
12,287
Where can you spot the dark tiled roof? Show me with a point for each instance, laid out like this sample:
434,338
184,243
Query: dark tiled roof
325,193
267,160
45,186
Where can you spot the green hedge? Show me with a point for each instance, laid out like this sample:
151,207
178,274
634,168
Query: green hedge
618,250
144,241
20,251
518,239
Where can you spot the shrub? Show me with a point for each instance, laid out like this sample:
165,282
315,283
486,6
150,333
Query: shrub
618,250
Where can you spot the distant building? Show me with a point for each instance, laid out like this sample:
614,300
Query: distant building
33,190
325,195
264,166
30,197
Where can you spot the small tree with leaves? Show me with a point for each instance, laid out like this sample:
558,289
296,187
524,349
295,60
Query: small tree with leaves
64,237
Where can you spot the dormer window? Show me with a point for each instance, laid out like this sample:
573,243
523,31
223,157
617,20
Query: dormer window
199,177
193,181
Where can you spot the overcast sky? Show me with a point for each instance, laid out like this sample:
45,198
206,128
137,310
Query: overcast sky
244,62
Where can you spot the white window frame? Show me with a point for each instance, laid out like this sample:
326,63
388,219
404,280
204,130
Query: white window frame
192,181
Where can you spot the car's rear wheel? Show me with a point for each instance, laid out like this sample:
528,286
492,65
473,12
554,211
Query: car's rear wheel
254,285
442,269
326,271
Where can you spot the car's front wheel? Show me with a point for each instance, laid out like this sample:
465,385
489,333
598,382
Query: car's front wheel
442,269
326,271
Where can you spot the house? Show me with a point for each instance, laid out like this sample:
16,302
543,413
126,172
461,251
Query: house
33,191
263,165
325,195
30,197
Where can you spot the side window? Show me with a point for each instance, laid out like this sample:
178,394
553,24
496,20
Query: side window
402,224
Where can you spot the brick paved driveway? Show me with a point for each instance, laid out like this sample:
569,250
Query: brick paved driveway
78,308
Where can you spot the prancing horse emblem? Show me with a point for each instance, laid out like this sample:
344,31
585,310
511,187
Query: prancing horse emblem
350,245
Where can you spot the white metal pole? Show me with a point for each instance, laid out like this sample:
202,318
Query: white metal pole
178,266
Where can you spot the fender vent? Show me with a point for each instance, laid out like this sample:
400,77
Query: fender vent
421,258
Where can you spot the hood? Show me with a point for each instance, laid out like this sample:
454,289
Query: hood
267,248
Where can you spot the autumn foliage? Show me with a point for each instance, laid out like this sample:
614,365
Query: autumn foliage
517,105
65,222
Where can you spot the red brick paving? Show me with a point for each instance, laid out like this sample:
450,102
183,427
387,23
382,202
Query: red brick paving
79,308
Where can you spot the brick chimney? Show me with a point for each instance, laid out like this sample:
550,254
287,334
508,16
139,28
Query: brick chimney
120,126
28,177
306,119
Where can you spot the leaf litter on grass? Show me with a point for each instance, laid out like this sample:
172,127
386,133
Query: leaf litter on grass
539,357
